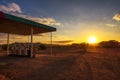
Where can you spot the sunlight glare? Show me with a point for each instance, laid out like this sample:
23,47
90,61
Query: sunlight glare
92,40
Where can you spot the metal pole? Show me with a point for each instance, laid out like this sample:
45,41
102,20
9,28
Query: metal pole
28,39
32,54
8,44
51,44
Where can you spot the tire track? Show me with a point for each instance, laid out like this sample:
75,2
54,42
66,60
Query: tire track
66,68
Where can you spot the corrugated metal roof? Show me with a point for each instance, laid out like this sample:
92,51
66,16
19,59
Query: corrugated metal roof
16,25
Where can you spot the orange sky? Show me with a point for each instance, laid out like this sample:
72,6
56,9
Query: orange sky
75,20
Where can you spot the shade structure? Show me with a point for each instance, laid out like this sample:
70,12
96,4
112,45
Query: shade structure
16,25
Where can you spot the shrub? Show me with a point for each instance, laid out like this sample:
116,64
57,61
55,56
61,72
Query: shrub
42,47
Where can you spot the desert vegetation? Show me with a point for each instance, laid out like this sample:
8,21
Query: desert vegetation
68,62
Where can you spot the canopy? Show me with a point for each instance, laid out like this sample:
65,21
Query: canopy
16,25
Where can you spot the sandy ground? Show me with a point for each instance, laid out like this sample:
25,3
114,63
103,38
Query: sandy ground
96,64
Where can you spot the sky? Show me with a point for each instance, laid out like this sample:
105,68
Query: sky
75,20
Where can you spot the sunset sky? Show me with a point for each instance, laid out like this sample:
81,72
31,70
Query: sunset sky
75,20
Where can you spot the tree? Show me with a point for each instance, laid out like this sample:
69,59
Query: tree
42,47
109,44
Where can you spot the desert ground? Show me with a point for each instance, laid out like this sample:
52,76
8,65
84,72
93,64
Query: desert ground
63,64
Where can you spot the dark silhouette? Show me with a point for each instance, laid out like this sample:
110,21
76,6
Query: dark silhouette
42,47
109,44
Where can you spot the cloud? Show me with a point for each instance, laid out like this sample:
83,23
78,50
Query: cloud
47,21
3,38
2,42
117,17
38,35
13,7
63,42
17,37
111,25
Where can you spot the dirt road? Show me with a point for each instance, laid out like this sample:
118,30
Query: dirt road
71,67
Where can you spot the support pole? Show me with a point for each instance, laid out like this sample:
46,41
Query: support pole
51,44
31,47
28,39
8,44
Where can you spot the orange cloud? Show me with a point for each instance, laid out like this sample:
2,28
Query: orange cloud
17,37
63,42
13,7
2,41
116,17
38,35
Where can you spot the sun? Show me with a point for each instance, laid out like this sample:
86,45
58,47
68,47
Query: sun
92,40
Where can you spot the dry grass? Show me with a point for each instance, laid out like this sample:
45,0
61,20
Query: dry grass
105,63
66,64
